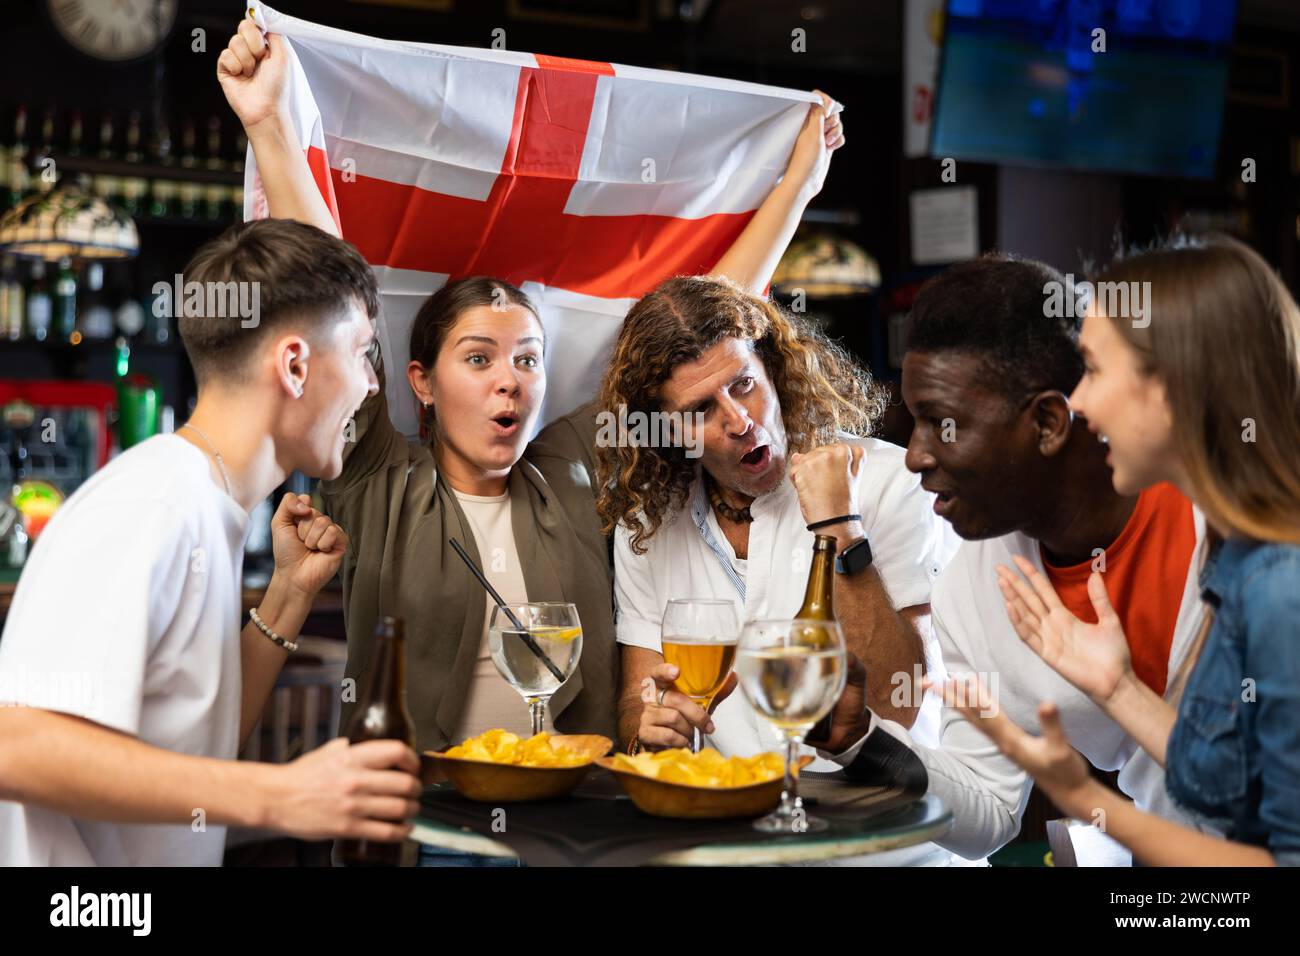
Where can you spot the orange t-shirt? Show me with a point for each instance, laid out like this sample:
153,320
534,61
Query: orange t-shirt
1145,574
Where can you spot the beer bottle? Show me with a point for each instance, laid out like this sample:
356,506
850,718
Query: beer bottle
65,302
818,605
75,133
40,304
133,153
381,714
106,145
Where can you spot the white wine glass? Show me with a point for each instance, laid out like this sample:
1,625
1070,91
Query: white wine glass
537,651
792,672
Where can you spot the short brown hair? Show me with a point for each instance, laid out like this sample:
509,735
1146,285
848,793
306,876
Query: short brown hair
301,273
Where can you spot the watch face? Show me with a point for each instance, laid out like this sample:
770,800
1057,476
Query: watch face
854,558
114,29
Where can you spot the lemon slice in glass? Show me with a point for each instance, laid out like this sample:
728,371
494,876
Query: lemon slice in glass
558,634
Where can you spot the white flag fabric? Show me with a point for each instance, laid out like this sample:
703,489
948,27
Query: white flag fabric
586,184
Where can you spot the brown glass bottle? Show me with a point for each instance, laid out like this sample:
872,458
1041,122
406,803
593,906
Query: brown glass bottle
381,714
818,605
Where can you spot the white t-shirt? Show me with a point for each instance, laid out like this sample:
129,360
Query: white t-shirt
690,557
490,701
986,791
128,614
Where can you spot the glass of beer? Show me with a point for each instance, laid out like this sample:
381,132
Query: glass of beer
699,636
792,672
537,651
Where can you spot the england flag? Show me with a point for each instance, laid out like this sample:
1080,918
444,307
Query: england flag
586,184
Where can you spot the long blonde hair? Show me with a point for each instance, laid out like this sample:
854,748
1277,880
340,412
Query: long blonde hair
1223,336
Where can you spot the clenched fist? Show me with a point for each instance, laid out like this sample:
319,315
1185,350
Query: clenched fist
253,73
308,546
826,480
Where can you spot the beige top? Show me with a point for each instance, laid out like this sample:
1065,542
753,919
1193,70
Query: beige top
490,701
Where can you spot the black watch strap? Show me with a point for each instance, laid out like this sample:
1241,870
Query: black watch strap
856,557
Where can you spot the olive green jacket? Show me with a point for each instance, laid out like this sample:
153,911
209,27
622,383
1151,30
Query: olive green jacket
400,517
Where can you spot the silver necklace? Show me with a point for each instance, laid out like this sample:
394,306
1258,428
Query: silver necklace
225,475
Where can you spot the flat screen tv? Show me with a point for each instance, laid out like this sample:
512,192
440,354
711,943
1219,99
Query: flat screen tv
1027,82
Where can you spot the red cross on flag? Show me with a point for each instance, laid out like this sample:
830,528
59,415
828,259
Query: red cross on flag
586,184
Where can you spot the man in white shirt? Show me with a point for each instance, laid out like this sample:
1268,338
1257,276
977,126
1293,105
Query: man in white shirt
775,408
126,681
986,376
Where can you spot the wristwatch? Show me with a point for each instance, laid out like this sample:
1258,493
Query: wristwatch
856,557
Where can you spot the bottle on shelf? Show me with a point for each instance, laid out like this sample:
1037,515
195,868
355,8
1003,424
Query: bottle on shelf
107,146
135,189
160,144
44,169
40,305
75,134
188,157
17,166
134,193
214,201
133,154
122,356
65,302
12,300
190,193
157,328
47,133
95,322
162,199
214,158
129,318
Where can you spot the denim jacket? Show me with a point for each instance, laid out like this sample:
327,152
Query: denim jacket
1234,753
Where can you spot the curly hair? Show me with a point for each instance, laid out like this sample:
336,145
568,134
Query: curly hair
821,388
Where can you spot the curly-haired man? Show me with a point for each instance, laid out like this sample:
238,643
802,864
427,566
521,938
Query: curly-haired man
782,415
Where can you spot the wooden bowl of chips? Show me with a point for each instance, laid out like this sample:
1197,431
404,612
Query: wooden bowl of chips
718,796
493,768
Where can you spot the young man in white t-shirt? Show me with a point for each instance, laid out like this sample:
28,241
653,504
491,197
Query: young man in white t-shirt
127,680
773,399
1016,473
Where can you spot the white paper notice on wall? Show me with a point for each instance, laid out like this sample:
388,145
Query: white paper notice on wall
945,225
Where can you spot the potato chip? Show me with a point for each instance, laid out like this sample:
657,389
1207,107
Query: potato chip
501,746
708,768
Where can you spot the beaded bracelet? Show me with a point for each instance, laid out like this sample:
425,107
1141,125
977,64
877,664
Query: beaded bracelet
275,638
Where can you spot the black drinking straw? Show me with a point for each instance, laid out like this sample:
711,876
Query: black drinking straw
523,631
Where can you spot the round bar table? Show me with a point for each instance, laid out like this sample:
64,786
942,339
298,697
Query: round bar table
599,826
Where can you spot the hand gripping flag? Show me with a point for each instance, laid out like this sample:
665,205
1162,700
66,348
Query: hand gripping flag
586,184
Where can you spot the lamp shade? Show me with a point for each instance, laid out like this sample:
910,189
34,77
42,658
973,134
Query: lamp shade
825,265
67,221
